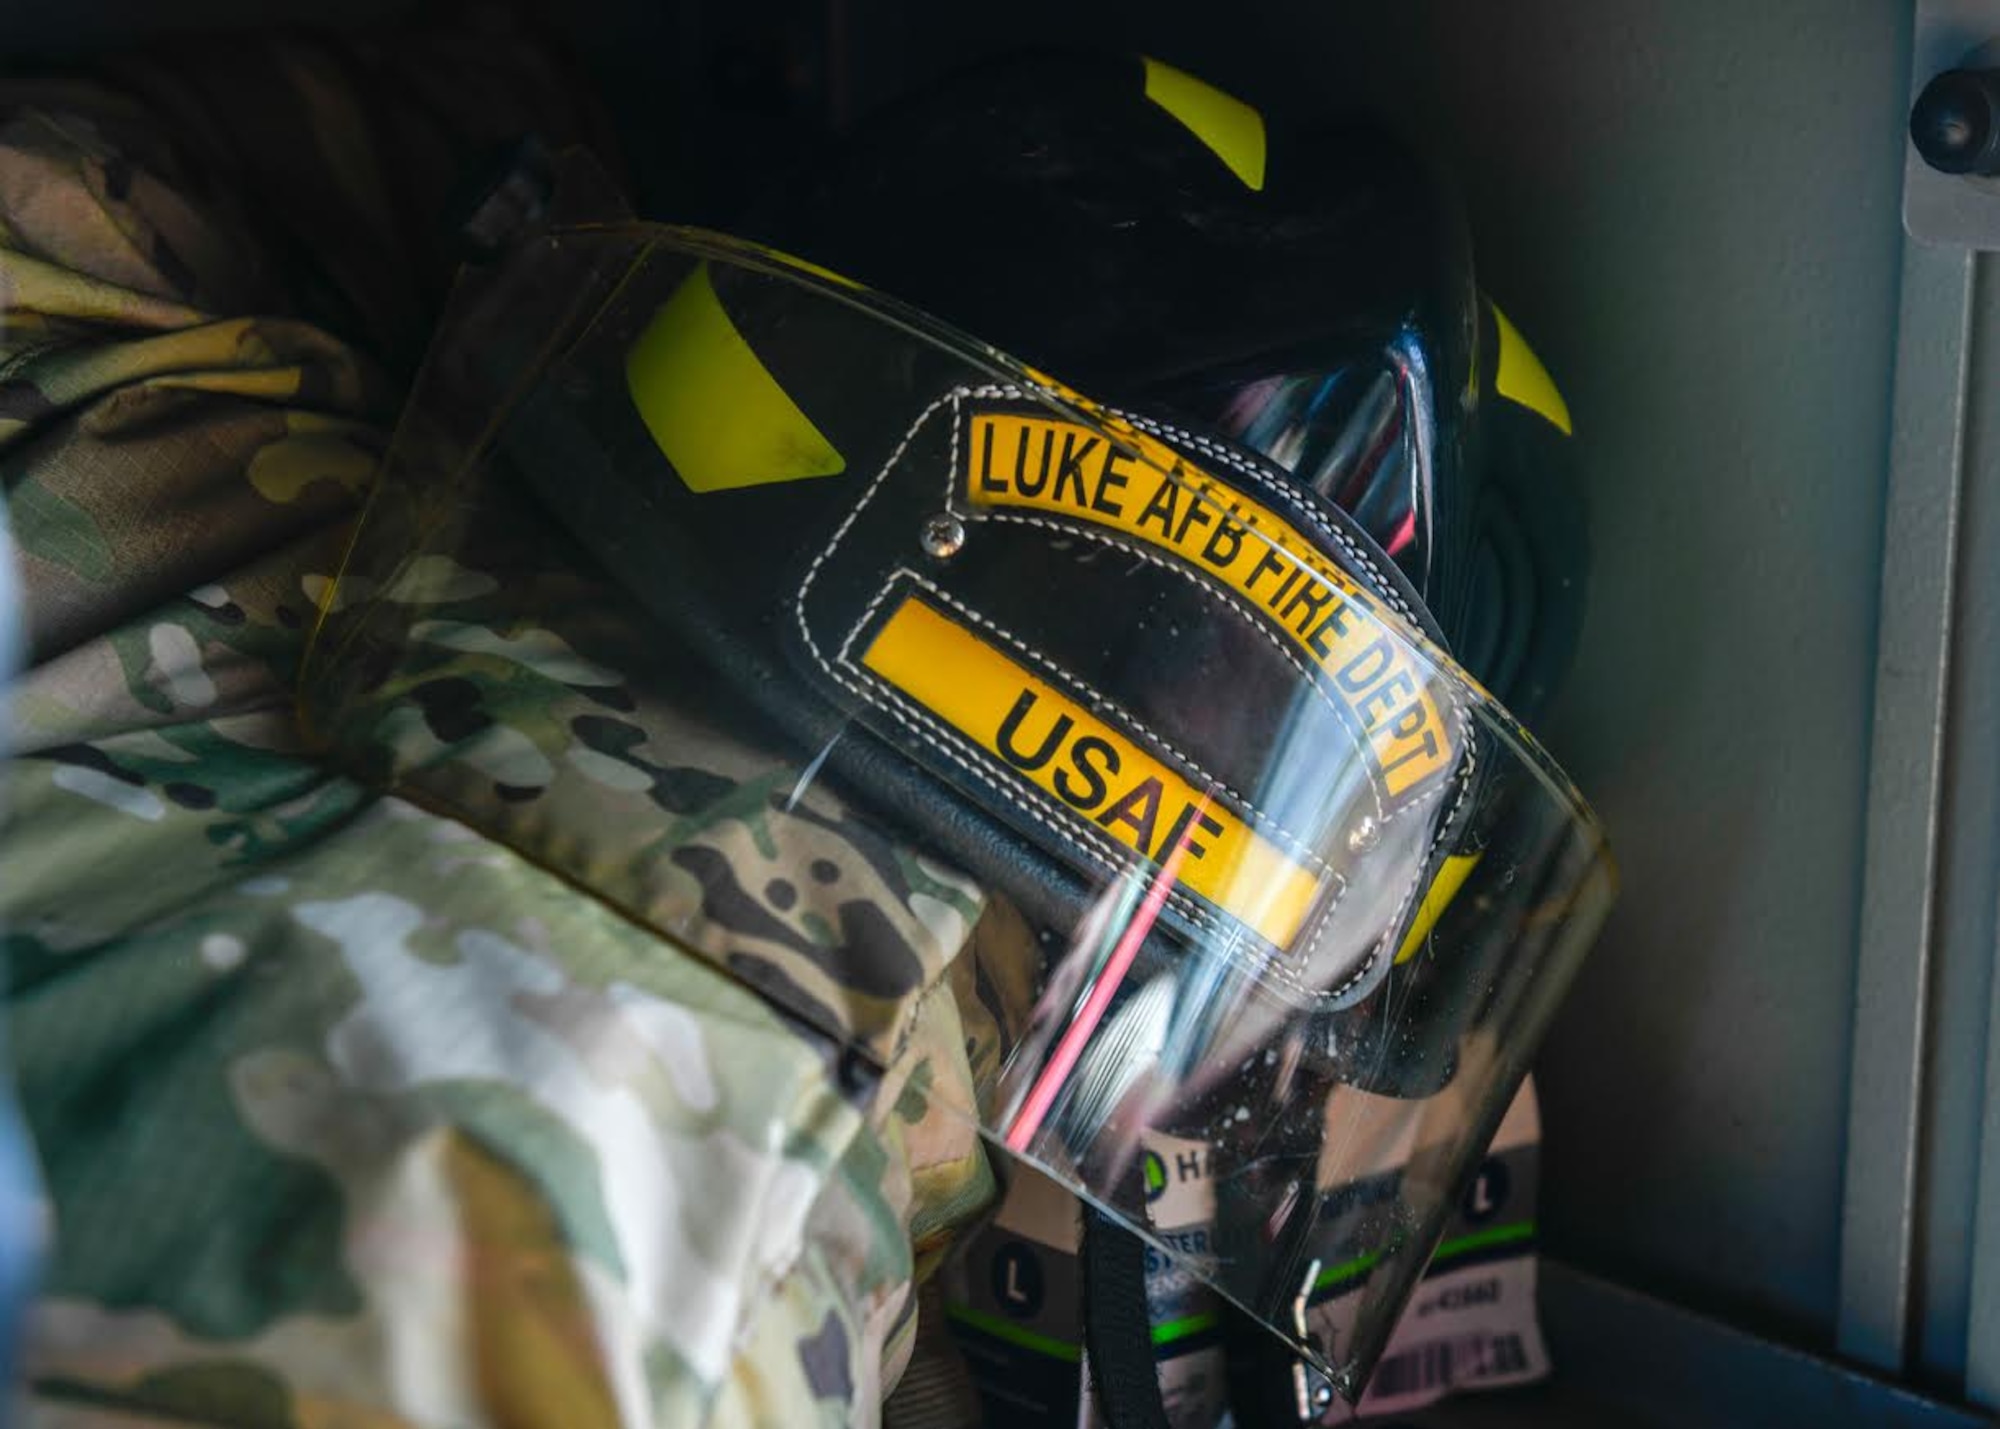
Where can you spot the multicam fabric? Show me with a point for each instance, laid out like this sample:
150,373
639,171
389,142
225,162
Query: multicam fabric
367,1108
521,703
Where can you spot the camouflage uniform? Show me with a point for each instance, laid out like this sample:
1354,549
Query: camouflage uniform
455,1105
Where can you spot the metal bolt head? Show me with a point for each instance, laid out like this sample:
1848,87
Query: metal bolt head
1956,122
943,536
1312,1392
1365,834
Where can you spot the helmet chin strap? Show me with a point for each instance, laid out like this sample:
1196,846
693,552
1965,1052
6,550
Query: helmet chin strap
1118,1326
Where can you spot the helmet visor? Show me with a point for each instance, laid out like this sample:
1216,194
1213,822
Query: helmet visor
1154,726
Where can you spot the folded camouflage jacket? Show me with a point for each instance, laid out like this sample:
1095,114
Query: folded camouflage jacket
352,1108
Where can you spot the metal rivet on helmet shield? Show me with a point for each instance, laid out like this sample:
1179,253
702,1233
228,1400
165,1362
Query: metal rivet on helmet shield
943,536
1364,835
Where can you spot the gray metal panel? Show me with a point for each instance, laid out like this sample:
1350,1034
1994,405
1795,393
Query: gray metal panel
1963,944
1913,648
1977,764
1938,349
1626,1360
1693,209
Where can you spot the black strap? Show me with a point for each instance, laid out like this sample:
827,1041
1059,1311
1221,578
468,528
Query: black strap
1265,1379
1118,1327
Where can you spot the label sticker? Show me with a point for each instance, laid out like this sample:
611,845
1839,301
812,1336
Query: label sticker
1464,1329
1092,766
1024,461
1014,1299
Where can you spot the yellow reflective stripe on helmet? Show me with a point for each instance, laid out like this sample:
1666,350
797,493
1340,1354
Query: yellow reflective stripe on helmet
1523,379
713,408
1231,128
1099,773
1443,889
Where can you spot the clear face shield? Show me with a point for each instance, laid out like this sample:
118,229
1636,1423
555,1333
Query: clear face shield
1155,720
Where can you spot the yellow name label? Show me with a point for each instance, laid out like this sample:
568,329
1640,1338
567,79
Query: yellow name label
1091,767
1030,462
